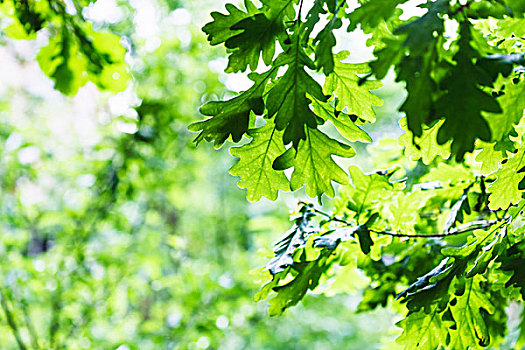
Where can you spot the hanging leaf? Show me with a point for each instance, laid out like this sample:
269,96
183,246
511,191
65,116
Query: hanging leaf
425,331
293,240
424,147
287,101
469,312
250,34
332,240
365,241
365,190
505,190
463,79
232,117
371,13
420,32
342,121
315,167
351,96
291,293
255,164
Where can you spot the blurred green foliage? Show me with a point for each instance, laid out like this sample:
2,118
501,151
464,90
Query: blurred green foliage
116,232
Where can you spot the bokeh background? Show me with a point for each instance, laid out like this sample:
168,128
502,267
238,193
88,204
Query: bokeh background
117,232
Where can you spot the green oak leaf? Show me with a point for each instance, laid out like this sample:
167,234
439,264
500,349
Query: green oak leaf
255,164
471,330
307,278
424,331
314,166
513,261
59,61
73,60
343,122
449,175
464,101
232,117
420,32
248,35
313,17
287,100
219,30
513,104
490,158
419,104
258,36
488,253
387,56
505,190
331,240
107,48
372,13
424,147
423,293
365,191
469,249
349,93
325,42
293,240
511,26
403,210
388,48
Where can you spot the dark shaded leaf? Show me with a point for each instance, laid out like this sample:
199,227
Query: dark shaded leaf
420,32
294,239
287,100
463,80
232,117
331,241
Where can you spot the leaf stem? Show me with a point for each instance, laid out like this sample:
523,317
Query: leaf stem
461,8
343,2
331,217
298,20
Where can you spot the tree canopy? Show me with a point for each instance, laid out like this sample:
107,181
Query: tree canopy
441,229
432,217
